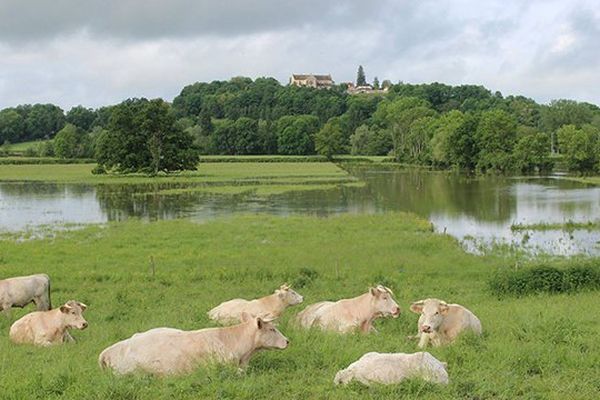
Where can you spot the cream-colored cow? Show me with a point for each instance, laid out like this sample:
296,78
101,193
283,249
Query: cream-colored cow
268,307
353,314
45,328
389,368
22,290
441,323
168,351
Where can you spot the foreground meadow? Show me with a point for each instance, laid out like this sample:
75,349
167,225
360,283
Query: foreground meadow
538,347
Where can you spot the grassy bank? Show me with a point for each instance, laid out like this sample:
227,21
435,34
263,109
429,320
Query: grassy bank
282,172
537,347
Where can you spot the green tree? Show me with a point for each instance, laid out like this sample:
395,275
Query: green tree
579,147
441,144
496,135
12,126
295,134
43,121
376,83
418,140
532,152
143,136
247,140
371,141
224,137
81,117
361,79
66,142
329,140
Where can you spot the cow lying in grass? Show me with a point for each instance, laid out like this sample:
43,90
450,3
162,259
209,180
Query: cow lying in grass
441,323
168,351
268,307
348,315
45,328
20,291
389,368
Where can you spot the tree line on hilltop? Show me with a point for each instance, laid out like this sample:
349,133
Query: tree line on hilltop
466,127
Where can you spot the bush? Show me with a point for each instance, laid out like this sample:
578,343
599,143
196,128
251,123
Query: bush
545,279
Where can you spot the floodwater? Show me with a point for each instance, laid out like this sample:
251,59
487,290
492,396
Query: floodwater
477,211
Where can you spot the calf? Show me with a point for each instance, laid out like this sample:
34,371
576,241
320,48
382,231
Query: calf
268,307
45,328
20,291
441,323
389,368
347,315
168,351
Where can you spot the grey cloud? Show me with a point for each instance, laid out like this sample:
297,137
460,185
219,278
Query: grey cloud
32,20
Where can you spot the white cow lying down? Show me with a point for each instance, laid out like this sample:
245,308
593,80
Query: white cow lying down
168,351
268,307
347,315
389,368
22,290
441,323
45,328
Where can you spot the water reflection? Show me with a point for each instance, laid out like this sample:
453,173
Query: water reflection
480,210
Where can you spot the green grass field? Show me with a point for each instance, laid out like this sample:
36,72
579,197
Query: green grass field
281,172
537,347
21,147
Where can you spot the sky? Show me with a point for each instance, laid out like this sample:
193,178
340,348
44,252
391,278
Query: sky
99,52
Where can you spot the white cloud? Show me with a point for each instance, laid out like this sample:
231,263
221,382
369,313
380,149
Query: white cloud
540,49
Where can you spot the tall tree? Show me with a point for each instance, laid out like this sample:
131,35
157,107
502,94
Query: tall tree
143,136
361,79
496,135
329,140
376,83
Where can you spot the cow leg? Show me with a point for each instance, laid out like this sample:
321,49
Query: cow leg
41,303
67,338
424,340
6,310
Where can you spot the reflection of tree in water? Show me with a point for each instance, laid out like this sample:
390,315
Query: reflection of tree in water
145,201
427,193
43,189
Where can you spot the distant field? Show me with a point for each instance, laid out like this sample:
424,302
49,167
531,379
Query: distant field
21,147
207,173
535,347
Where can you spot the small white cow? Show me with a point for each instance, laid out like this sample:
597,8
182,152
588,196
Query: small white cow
348,315
20,291
268,307
45,328
441,323
390,368
168,351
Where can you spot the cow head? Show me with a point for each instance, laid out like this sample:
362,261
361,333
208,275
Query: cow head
383,302
268,336
432,313
288,296
72,314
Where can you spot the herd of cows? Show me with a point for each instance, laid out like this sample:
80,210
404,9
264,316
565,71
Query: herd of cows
248,328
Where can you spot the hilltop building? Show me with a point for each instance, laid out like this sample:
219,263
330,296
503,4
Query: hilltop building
352,89
311,80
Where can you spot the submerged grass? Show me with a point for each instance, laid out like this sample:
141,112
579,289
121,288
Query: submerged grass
535,347
549,226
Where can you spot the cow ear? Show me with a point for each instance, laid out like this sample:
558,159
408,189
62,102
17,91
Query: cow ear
65,309
83,306
444,308
374,291
259,323
417,307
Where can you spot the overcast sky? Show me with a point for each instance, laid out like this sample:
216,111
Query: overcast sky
96,52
